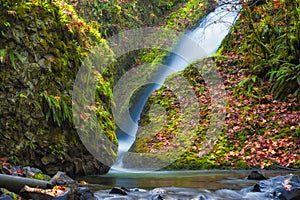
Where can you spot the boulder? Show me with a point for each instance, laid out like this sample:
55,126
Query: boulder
280,187
84,193
119,190
256,175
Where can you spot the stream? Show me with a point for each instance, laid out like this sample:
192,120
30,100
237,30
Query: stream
180,185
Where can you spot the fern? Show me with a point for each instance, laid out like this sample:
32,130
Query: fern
59,109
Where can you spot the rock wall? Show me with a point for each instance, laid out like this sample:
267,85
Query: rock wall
42,44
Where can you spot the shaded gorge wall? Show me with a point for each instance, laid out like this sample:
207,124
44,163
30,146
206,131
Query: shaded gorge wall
42,46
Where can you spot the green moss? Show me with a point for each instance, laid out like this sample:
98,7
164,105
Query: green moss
115,16
41,176
53,41
240,164
191,12
12,194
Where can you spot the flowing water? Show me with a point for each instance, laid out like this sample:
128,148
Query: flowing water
181,185
208,35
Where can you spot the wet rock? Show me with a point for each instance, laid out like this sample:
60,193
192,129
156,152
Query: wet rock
158,191
280,187
163,197
84,193
202,197
157,197
138,190
61,178
256,188
256,175
159,194
290,195
119,190
16,171
5,197
30,170
277,188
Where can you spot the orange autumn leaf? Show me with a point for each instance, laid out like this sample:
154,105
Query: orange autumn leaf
276,3
96,73
11,12
57,98
3,159
259,11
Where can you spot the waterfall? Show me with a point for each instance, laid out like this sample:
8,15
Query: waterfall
209,33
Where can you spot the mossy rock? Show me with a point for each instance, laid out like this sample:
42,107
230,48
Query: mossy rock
43,44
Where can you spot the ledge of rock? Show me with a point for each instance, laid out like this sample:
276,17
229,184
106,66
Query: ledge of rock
60,187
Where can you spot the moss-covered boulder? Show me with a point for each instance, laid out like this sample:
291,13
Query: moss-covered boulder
42,45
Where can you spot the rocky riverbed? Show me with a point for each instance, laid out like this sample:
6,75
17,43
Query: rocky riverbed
22,183
276,188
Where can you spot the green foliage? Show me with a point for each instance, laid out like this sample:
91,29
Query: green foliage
46,42
41,176
117,15
297,133
257,62
105,13
187,15
58,109
273,43
286,80
250,86
3,54
8,56
14,159
56,149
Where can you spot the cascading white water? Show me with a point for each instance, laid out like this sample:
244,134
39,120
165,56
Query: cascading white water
209,33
